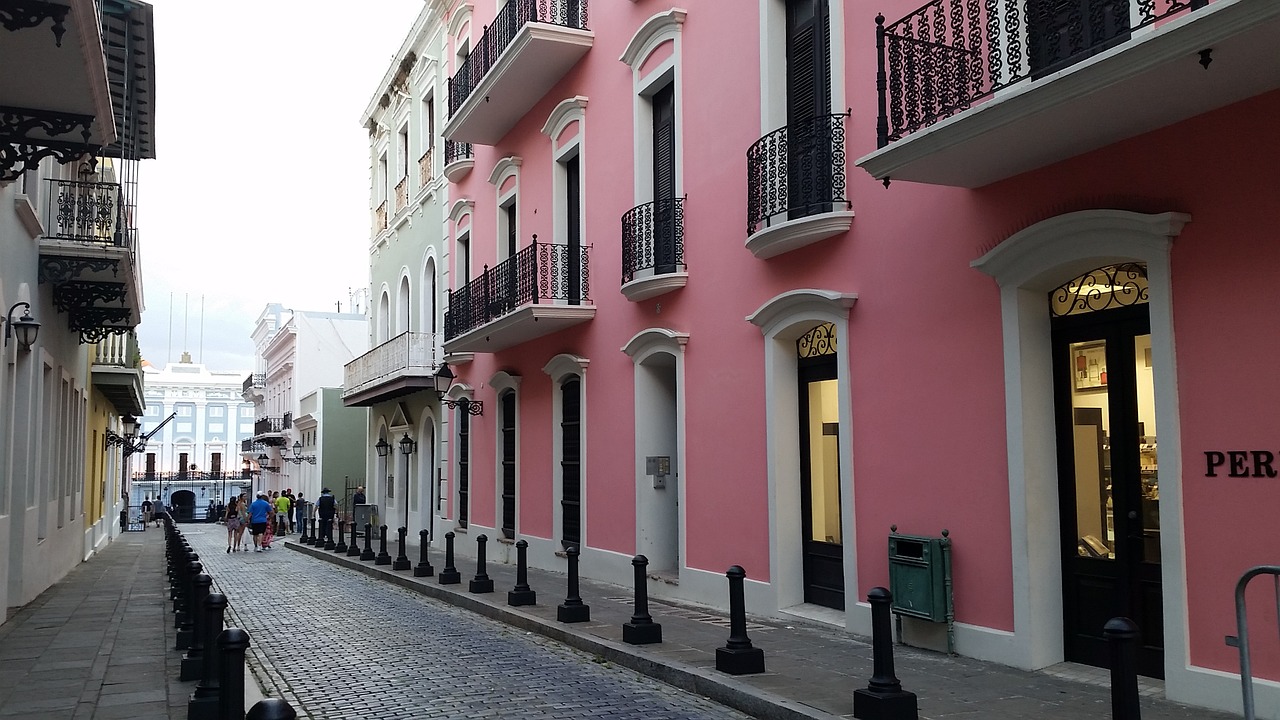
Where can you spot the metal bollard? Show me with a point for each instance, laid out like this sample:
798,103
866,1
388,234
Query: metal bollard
449,575
271,709
203,704
304,538
326,541
522,594
642,630
384,557
738,656
368,553
883,698
354,549
1122,637
341,547
423,568
573,610
193,663
402,560
232,643
182,619
481,583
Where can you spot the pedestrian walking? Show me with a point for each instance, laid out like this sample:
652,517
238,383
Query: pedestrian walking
358,498
288,516
270,533
242,504
282,514
300,512
326,507
232,518
259,518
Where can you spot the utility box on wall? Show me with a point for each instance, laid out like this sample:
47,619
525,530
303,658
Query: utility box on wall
920,580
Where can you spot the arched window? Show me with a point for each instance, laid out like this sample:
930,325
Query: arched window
402,315
384,319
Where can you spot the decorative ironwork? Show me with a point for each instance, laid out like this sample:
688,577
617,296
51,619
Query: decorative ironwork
498,36
21,150
469,406
817,342
538,273
796,171
60,269
81,294
85,211
21,14
1105,288
268,425
92,335
455,151
255,380
653,238
950,54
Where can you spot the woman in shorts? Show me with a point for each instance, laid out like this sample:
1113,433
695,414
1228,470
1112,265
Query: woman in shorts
233,524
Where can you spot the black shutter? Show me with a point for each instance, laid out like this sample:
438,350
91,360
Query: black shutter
508,418
573,220
809,136
464,464
571,462
664,180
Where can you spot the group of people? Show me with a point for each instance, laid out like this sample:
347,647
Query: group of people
273,514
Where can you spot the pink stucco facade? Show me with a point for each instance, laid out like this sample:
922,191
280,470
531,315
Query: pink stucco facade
924,349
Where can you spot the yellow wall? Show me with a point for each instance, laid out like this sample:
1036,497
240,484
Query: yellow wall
97,486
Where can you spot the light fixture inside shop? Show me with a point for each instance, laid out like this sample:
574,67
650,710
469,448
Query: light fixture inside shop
25,328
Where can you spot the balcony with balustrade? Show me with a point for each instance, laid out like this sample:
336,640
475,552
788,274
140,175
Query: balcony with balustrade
405,364
116,371
528,48
653,249
271,431
542,289
458,160
976,91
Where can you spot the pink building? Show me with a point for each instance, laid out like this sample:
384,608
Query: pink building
749,283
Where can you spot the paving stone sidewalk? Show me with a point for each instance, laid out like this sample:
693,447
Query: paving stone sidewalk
812,669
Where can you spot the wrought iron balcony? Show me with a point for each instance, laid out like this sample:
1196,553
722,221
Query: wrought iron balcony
254,381
458,160
527,49
542,289
974,91
246,445
404,364
89,212
653,249
268,426
117,372
796,186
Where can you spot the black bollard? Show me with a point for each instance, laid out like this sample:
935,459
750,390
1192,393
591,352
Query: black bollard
402,560
271,709
1122,635
738,657
182,620
203,704
341,547
326,540
642,630
368,553
304,538
193,662
423,568
449,575
354,549
573,610
384,557
481,583
522,594
883,698
232,644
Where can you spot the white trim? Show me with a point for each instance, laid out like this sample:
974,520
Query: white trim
782,320
1027,267
460,16
773,61
460,209
565,364
651,339
504,168
791,235
658,29
503,382
650,286
565,112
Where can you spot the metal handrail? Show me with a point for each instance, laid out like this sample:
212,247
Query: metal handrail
943,57
455,151
87,212
797,170
1241,638
653,232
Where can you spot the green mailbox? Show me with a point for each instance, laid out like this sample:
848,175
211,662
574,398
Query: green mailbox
920,580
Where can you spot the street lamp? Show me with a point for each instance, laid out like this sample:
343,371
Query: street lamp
407,446
25,328
384,449
298,458
443,381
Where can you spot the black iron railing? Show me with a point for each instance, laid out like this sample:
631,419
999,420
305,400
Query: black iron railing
541,272
246,445
256,380
796,171
653,238
269,425
949,54
510,19
455,151
86,212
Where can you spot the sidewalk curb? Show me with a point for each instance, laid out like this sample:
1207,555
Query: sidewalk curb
700,681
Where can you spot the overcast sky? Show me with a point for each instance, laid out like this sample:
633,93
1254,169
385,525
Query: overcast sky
259,192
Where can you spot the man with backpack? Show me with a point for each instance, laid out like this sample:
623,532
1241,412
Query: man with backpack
326,508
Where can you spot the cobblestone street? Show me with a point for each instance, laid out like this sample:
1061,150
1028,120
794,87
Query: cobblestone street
337,644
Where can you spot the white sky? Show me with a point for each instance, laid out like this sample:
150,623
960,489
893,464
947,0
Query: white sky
260,189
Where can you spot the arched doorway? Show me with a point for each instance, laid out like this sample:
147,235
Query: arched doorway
1108,471
822,539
